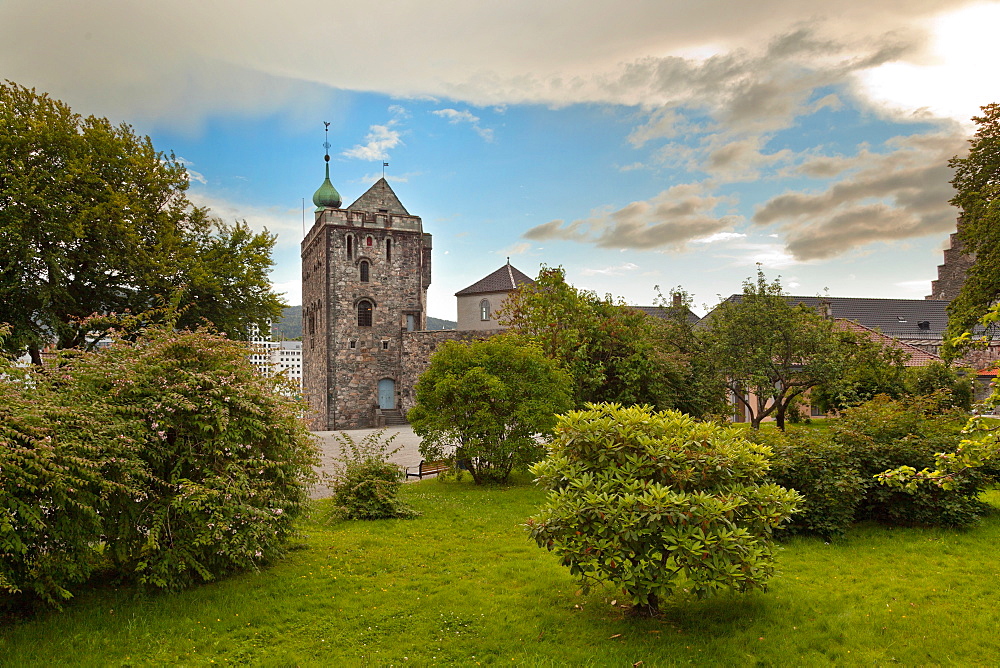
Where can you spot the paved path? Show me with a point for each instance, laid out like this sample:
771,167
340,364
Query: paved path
408,456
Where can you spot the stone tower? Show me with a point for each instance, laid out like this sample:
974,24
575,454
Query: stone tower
365,272
951,274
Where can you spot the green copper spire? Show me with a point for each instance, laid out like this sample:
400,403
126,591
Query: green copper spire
327,197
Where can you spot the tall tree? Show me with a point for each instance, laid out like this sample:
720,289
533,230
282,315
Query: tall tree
94,220
770,351
491,399
977,186
614,352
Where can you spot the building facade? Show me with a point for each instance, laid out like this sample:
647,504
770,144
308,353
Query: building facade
365,272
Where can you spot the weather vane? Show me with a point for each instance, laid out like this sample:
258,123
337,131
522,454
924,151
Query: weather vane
326,142
384,165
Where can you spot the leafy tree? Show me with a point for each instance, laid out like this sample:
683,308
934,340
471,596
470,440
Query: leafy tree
485,403
653,502
772,352
977,186
94,220
953,388
613,352
873,369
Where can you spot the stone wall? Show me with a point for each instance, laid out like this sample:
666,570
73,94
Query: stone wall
951,274
417,350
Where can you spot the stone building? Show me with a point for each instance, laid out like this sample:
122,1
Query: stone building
365,272
951,274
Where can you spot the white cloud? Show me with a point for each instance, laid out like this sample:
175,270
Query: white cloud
380,139
292,290
620,270
455,117
285,222
719,236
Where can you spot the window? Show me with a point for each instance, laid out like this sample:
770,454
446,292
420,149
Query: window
354,344
411,323
364,313
368,242
350,244
364,271
388,250
385,345
484,310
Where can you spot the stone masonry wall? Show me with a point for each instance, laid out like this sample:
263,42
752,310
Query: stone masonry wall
417,350
951,274
314,334
395,288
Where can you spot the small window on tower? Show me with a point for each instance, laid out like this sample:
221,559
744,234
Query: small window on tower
350,245
388,250
364,271
484,310
354,344
385,345
369,241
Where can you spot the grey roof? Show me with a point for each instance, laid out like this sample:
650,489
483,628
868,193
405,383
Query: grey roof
504,279
379,199
901,318
665,312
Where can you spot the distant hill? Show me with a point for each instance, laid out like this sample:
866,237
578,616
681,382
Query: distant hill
290,325
438,323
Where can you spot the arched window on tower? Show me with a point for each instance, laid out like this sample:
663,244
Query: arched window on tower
388,250
364,313
364,271
350,245
369,241
484,310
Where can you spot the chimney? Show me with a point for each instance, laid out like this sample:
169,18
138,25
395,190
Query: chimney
826,309
677,300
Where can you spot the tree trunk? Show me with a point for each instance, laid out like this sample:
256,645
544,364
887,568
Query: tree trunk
779,416
36,355
649,609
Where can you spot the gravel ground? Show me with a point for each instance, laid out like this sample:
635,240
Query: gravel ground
407,457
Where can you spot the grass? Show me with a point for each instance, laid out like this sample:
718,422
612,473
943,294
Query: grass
462,585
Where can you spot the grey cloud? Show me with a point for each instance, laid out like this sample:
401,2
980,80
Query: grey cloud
669,220
896,195
177,61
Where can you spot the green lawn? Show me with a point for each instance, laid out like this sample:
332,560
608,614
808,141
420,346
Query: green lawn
462,585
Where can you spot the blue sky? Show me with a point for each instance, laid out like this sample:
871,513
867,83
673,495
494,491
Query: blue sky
667,143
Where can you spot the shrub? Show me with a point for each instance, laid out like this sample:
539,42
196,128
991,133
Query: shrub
366,484
809,462
885,434
657,501
168,452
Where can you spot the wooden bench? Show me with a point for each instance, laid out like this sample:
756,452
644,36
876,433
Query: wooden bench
428,468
